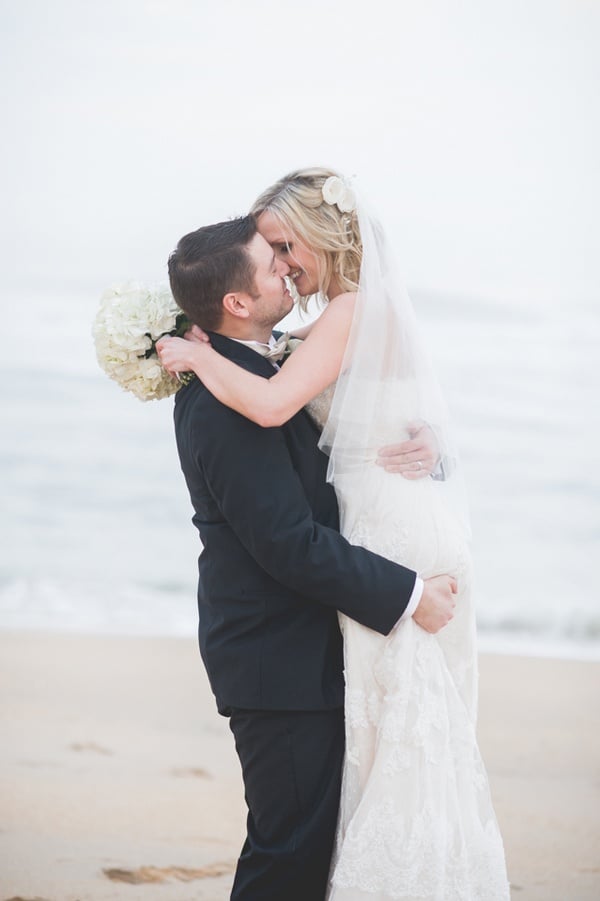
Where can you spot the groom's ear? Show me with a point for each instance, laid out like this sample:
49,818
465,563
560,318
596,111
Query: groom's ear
237,304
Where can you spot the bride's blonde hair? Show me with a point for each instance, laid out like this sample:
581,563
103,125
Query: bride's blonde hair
333,236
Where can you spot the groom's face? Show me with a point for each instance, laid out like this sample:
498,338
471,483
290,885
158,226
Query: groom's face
272,299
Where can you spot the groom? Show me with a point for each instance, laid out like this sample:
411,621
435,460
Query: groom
273,573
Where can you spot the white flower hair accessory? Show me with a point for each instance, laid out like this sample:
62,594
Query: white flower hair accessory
338,192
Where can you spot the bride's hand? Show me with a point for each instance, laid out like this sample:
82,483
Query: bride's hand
196,334
179,354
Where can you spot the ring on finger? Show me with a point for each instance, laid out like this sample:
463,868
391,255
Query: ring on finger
420,464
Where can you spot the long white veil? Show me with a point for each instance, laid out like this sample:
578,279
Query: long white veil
387,379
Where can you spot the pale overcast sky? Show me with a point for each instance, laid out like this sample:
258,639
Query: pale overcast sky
473,126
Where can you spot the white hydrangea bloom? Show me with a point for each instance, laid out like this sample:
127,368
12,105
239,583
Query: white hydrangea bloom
130,320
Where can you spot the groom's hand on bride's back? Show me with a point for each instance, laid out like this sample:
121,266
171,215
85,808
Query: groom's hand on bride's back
436,607
414,459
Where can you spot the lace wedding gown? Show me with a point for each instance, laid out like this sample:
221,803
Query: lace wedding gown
416,819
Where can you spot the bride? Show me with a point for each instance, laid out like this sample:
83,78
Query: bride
416,820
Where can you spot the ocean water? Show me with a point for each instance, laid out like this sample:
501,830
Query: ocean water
96,533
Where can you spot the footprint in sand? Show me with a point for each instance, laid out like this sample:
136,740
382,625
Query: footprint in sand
90,746
163,874
185,772
19,898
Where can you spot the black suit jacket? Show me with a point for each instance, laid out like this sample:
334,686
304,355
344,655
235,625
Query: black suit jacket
274,569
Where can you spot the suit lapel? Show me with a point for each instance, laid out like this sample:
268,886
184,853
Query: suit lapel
242,355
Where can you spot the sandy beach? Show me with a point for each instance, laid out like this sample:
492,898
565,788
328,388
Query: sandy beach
120,781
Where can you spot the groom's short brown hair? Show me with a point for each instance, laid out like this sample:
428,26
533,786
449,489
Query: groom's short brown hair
208,264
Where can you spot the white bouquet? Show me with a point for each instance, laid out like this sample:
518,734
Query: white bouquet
130,321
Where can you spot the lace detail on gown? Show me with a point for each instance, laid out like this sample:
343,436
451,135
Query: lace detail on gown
416,818
318,408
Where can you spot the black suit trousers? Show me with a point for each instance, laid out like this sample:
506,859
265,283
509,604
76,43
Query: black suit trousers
291,765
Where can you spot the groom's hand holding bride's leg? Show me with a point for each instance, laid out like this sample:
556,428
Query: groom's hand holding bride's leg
436,607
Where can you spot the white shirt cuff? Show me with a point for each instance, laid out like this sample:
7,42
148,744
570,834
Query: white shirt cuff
413,603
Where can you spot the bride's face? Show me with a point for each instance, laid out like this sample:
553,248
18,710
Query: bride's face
304,268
